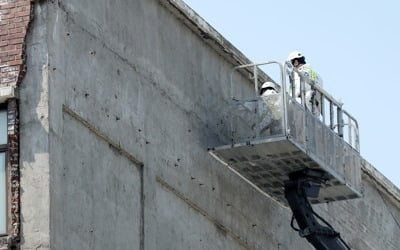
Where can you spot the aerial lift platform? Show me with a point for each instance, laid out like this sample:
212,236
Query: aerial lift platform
293,154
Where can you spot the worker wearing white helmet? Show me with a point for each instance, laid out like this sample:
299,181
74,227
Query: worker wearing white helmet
270,109
298,61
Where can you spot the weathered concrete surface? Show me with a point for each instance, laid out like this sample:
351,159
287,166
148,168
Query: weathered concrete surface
133,72
34,138
100,202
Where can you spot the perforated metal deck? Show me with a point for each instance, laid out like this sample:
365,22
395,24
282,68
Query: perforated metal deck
267,164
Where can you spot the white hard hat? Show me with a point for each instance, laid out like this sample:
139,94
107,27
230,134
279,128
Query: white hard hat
267,85
295,55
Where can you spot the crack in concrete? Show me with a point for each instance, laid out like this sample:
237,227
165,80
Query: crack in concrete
124,153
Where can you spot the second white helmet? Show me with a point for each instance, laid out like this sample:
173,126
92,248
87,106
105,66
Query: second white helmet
268,88
267,85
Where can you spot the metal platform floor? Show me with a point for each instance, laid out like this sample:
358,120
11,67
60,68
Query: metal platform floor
267,163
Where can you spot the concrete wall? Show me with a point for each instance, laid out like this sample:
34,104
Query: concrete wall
34,138
119,105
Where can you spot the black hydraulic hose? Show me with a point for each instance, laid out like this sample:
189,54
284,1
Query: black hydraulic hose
297,189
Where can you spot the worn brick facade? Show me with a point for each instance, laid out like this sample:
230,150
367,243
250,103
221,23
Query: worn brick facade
13,166
15,16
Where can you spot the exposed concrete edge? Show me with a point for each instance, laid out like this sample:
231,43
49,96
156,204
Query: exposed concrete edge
209,35
381,182
6,93
198,25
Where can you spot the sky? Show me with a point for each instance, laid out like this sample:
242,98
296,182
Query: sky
353,45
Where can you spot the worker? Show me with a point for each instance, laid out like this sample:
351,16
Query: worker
270,110
310,77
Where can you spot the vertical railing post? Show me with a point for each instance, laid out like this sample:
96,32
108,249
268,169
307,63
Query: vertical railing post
323,109
231,105
331,116
292,86
357,138
285,121
303,92
304,104
255,73
313,100
350,127
340,121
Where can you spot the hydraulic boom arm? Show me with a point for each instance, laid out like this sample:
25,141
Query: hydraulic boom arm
305,184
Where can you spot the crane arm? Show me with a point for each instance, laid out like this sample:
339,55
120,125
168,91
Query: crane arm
303,184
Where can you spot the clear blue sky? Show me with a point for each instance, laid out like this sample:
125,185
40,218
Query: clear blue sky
354,45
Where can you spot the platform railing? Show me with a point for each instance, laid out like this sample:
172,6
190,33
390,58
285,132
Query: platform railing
254,68
331,112
340,121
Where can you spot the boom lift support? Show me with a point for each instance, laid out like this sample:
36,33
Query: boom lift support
292,155
305,184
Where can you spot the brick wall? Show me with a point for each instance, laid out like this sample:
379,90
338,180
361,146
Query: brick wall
13,167
15,16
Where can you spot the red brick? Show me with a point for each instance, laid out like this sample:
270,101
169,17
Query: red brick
13,36
22,8
27,18
8,16
7,59
15,62
16,30
7,6
3,43
4,22
23,3
8,48
17,20
14,52
17,41
4,11
7,26
25,13
19,25
3,32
